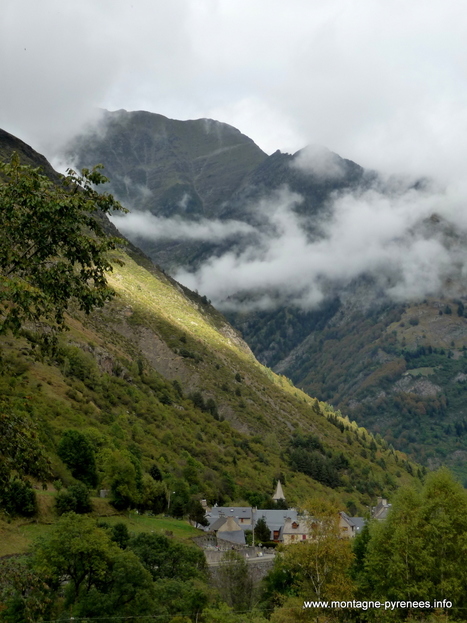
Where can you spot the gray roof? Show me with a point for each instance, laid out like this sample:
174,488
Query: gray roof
232,537
230,511
275,518
217,523
358,522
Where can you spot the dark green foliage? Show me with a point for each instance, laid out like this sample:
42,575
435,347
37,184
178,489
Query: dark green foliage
178,388
19,498
418,551
25,594
77,453
307,455
306,442
315,465
20,449
211,407
123,477
120,535
53,247
90,575
164,558
78,364
74,499
262,531
198,400
197,514
155,472
208,406
234,582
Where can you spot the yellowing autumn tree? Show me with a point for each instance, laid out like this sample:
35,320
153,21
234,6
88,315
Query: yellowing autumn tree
313,570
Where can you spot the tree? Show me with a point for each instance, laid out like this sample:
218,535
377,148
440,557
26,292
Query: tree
155,472
77,453
120,535
121,475
317,569
164,558
77,554
75,499
25,595
53,246
20,450
419,551
92,573
153,495
19,498
262,532
234,581
197,513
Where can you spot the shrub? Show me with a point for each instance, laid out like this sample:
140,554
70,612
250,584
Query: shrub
77,453
19,498
73,500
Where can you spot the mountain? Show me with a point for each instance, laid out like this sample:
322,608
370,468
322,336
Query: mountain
396,367
158,376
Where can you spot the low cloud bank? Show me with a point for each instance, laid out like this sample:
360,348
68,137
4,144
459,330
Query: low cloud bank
403,239
144,225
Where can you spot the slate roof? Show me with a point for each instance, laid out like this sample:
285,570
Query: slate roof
237,536
230,511
275,519
359,523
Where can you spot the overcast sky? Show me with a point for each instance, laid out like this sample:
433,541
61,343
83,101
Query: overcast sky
382,82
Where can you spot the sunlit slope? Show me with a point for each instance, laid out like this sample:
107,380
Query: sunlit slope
160,374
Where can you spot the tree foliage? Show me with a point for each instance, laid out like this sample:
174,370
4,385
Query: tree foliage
77,453
234,581
419,551
20,449
73,500
262,532
19,498
164,558
53,246
317,569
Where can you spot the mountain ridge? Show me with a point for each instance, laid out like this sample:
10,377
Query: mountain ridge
344,334
158,375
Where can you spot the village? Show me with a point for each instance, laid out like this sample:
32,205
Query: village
242,527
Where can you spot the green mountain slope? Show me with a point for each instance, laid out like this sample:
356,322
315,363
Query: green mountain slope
358,350
158,376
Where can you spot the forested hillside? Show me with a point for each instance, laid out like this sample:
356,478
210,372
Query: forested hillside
395,365
158,377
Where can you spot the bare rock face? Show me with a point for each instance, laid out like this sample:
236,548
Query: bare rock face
421,387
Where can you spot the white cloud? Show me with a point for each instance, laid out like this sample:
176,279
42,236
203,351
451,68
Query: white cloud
144,225
385,236
319,162
381,83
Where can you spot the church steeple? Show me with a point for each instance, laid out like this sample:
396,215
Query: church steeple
279,494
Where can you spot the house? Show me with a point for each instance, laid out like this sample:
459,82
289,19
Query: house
295,530
381,510
243,515
349,527
228,529
275,520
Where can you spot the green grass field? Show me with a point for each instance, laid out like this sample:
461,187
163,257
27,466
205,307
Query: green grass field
17,536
